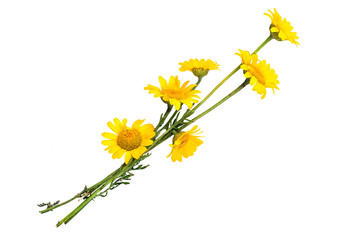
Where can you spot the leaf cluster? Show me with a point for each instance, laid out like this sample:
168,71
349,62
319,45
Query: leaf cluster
126,177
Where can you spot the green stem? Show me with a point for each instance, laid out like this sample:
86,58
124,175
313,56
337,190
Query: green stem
59,205
168,110
263,44
164,137
155,143
82,205
217,86
90,189
246,82
119,172
168,122
198,82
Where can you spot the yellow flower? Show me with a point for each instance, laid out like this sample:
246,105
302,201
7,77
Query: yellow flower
185,144
281,29
199,68
129,141
174,94
260,74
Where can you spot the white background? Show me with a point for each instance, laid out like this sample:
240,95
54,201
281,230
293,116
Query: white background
286,167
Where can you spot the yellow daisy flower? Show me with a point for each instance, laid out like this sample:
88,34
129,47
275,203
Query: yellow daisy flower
199,68
260,74
174,94
129,141
185,144
280,28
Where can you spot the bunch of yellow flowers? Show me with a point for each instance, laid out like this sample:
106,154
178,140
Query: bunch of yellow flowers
136,142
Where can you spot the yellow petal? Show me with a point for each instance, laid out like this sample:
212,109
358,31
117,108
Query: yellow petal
148,135
176,156
108,142
163,83
141,150
113,148
169,154
124,121
177,82
172,82
118,124
252,81
135,153
187,102
137,124
177,104
248,75
109,135
146,129
274,29
118,154
127,157
282,35
146,142
113,127
263,96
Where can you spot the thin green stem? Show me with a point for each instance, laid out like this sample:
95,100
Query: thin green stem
59,205
169,121
123,169
86,190
82,205
198,82
163,118
246,82
263,44
217,86
159,138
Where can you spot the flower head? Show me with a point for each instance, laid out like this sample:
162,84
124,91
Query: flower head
185,144
129,141
199,68
281,29
260,74
174,94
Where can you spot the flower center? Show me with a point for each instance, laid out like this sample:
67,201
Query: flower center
184,138
129,139
176,94
258,74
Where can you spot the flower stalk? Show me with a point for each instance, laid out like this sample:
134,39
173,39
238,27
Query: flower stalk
263,44
243,85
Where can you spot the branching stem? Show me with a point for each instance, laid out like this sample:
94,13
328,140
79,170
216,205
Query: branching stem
172,127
